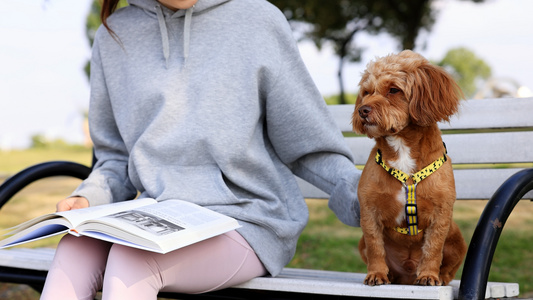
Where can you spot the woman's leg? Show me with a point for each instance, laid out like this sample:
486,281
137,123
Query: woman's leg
215,263
77,269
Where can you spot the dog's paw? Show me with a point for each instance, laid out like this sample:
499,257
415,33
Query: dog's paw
428,280
373,279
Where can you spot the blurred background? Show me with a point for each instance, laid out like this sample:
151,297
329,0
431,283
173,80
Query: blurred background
44,95
45,46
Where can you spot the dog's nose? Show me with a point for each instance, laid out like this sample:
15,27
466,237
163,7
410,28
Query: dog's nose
364,111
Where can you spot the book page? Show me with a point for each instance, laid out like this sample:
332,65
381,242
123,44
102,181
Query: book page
46,228
75,217
168,225
183,213
78,216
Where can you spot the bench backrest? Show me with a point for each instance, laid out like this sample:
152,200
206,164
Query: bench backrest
488,141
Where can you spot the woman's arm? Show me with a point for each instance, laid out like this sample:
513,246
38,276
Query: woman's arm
305,135
109,180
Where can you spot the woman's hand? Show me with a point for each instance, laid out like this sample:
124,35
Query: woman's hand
72,203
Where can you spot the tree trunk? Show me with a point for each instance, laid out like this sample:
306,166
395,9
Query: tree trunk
342,98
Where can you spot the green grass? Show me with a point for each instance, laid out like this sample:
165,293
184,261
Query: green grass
335,99
325,244
16,160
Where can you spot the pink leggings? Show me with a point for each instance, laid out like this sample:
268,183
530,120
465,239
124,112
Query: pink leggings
77,271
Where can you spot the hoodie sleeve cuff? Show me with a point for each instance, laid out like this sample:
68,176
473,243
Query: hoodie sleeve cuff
95,195
344,203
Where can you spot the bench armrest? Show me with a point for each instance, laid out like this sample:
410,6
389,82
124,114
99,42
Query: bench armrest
23,178
487,232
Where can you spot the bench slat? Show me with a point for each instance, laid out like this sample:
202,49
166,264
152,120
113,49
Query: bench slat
501,147
473,114
469,184
38,259
482,183
494,289
474,148
492,113
347,288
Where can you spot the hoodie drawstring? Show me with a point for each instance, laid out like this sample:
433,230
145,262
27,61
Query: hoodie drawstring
164,32
187,32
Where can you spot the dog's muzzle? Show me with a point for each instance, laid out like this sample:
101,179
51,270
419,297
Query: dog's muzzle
364,111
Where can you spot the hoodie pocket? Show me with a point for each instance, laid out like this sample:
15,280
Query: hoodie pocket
203,185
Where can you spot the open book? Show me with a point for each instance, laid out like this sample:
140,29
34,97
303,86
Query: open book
143,223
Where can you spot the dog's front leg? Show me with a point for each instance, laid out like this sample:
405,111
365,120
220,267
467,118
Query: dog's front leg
372,249
432,251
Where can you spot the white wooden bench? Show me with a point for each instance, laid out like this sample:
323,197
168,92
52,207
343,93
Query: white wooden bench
486,132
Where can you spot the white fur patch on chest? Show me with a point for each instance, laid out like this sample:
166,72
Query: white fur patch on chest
405,162
400,197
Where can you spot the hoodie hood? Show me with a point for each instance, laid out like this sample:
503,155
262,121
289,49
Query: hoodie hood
163,14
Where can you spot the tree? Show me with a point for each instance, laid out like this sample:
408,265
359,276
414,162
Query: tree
338,21
466,68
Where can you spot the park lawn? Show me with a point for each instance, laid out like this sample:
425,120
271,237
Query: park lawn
325,244
16,160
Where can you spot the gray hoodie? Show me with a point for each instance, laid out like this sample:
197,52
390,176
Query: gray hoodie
214,105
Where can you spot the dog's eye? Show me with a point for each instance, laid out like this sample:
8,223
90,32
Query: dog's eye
366,93
394,91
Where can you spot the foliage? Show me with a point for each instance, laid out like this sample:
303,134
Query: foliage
466,68
335,99
39,141
91,25
339,21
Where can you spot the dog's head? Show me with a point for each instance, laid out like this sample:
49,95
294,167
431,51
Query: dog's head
402,89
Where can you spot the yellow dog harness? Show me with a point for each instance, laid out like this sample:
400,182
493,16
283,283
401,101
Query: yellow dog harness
410,190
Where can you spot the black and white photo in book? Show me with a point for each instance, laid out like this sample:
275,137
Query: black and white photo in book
147,222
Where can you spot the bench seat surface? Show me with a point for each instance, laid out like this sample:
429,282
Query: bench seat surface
294,280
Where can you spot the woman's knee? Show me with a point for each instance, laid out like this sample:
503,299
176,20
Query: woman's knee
92,251
131,274
77,269
132,265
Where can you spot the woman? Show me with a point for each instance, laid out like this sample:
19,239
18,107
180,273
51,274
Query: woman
206,101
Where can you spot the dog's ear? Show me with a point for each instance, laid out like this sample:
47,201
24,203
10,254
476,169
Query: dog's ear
435,95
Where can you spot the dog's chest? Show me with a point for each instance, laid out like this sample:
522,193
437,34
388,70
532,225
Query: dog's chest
404,163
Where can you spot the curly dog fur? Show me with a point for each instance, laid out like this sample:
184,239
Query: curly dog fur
400,101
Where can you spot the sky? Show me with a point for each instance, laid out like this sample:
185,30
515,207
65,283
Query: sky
43,49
